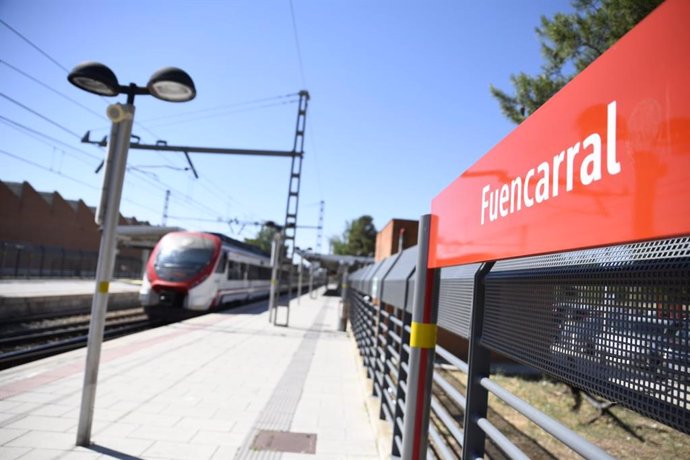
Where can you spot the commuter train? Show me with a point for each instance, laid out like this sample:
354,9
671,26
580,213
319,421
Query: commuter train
197,271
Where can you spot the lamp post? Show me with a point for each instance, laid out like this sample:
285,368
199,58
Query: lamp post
276,257
169,84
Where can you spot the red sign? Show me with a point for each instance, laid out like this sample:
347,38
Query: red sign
605,161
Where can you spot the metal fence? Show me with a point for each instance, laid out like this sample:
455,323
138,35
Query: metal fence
612,322
19,260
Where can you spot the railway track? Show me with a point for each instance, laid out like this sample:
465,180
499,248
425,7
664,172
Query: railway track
22,342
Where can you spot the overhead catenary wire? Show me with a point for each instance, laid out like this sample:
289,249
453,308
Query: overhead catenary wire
45,168
222,107
132,168
206,117
40,115
34,46
56,62
299,50
144,177
23,128
50,88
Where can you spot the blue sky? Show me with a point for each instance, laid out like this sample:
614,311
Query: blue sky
400,103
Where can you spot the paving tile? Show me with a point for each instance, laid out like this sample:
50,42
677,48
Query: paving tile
8,434
226,452
161,433
43,423
119,446
7,406
53,410
32,397
43,454
12,453
218,438
150,420
179,451
207,424
22,407
113,430
81,453
44,440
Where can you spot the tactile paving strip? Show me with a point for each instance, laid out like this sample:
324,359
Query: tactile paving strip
279,411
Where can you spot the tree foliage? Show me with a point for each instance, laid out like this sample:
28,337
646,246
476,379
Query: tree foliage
569,43
263,239
358,239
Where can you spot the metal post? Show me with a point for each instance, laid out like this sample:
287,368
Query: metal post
479,366
276,249
43,254
422,350
113,179
311,280
17,259
342,326
299,279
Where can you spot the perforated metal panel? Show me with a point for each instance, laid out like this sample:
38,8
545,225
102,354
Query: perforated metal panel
395,284
362,279
612,321
369,279
455,298
355,277
381,273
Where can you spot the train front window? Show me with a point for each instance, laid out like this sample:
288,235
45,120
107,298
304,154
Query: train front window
180,257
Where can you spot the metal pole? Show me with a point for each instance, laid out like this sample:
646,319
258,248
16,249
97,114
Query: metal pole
311,280
299,279
422,350
344,312
122,116
276,249
479,361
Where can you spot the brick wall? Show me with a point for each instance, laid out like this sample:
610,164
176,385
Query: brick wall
31,217
388,238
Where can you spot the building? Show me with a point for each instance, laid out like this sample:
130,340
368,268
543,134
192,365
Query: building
396,231
43,234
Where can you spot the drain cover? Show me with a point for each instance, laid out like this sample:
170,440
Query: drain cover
285,441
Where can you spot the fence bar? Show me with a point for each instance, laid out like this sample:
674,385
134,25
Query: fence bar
479,366
401,389
501,440
422,350
551,426
446,418
452,359
454,394
439,444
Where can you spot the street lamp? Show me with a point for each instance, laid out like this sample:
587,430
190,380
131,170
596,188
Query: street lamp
169,84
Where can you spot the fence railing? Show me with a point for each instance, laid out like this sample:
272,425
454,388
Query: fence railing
505,261
20,260
612,322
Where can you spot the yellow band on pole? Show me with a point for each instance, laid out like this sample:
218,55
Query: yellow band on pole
422,335
103,287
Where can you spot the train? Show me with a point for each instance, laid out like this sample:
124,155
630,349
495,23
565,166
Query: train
199,271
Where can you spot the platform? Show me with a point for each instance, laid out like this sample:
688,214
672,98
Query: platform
36,297
220,386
